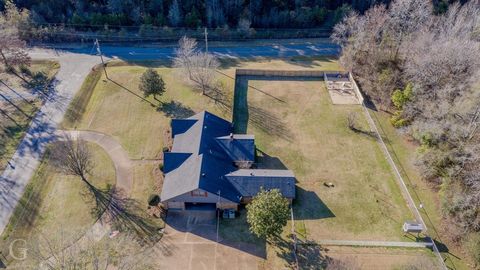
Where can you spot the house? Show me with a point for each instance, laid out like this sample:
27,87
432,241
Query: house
210,167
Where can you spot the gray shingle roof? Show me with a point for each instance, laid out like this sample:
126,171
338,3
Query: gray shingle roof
202,158
238,147
248,182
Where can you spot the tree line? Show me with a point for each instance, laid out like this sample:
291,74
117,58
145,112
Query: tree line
423,68
190,13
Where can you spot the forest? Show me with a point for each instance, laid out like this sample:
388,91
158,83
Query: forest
168,20
192,13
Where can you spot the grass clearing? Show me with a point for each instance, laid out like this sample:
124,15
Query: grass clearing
53,201
365,202
21,106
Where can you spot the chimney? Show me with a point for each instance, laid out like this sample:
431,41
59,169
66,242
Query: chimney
231,136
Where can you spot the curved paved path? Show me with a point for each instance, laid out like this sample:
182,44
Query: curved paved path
120,159
123,173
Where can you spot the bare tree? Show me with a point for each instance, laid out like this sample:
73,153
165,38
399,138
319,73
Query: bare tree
12,48
204,66
198,67
73,157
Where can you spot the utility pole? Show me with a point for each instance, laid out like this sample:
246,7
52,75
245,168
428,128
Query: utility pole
206,40
101,57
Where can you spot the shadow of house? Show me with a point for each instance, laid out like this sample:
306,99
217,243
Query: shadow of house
264,161
308,206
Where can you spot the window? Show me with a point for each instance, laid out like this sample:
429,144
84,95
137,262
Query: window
198,193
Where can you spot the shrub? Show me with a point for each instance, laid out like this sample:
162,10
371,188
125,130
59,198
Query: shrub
398,121
153,200
25,70
160,166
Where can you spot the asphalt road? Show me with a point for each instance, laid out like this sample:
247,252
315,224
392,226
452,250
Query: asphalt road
283,48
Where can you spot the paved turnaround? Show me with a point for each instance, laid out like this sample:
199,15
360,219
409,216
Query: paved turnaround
73,70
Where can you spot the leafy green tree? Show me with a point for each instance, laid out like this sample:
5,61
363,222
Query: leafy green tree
268,213
401,97
192,19
152,84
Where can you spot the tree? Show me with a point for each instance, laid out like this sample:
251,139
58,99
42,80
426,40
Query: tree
203,68
199,67
151,83
73,157
12,47
215,15
268,213
174,15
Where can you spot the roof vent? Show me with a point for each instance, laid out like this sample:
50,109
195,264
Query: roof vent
231,135
203,174
251,173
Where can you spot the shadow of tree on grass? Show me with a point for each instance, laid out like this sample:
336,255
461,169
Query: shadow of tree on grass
124,214
175,109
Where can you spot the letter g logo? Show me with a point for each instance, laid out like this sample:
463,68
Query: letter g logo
21,250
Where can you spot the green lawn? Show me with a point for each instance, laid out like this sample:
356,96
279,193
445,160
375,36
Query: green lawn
303,132
310,136
307,134
53,201
15,121
403,151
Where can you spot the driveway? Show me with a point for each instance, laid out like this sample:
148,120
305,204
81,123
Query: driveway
190,242
73,70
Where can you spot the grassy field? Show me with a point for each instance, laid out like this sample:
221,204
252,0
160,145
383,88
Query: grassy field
311,137
298,129
403,151
53,201
16,114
